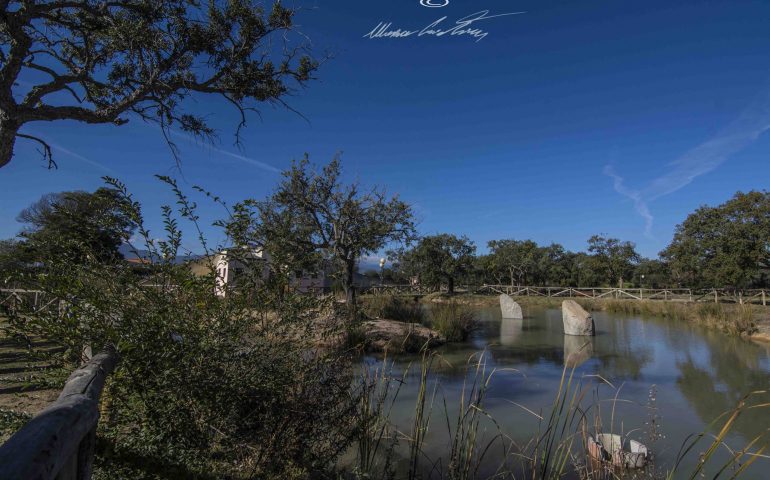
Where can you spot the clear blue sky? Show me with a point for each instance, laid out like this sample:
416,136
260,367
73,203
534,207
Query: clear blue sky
574,118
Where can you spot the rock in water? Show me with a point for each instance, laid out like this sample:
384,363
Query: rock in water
576,320
510,308
389,335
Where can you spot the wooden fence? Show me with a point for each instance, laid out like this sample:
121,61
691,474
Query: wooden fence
17,298
715,295
58,443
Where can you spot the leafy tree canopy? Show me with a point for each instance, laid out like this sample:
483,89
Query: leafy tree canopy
613,259
102,61
314,214
439,259
75,225
726,245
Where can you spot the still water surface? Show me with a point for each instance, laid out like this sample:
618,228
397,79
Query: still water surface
697,375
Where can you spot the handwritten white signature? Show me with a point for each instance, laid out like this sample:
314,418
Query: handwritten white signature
462,26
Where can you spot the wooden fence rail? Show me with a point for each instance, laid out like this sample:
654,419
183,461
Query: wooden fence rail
58,443
714,295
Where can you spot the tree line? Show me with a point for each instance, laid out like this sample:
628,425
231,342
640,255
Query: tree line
726,246
312,216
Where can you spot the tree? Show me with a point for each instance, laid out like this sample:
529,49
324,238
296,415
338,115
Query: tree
314,213
439,259
652,273
555,265
11,261
75,225
612,259
726,245
518,259
105,60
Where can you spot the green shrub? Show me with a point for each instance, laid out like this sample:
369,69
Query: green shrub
206,387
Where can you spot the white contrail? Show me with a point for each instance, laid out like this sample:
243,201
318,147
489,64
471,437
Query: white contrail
81,157
257,163
66,151
740,133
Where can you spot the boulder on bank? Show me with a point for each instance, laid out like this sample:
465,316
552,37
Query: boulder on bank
389,335
576,320
509,307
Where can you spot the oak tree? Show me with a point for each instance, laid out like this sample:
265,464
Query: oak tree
316,215
613,259
104,61
724,246
74,226
439,260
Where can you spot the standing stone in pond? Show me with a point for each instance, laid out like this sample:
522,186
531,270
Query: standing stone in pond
576,320
510,308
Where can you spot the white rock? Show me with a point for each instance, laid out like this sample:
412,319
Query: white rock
576,320
509,307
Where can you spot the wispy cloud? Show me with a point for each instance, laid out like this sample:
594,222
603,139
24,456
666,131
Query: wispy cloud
55,146
702,159
81,158
251,161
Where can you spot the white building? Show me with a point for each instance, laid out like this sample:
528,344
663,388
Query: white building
230,264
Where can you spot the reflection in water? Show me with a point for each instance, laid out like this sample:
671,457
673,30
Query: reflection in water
698,375
717,385
510,330
577,350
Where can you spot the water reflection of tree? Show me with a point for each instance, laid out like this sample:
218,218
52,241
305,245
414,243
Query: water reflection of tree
621,351
734,371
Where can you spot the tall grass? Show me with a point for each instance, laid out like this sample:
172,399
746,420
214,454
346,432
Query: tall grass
732,318
391,307
738,461
453,320
376,438
736,319
557,450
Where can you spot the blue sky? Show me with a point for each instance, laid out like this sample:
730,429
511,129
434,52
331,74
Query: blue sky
574,118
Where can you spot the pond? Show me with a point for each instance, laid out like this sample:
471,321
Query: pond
675,375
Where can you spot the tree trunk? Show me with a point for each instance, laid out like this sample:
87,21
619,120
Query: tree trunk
451,285
350,288
8,130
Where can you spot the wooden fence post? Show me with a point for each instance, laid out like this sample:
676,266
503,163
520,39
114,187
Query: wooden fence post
763,299
58,443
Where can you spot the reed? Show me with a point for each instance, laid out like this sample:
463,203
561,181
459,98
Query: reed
376,439
455,321
557,450
391,307
738,460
